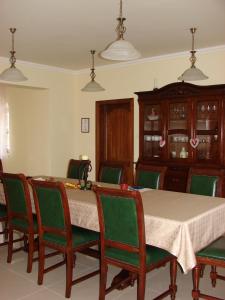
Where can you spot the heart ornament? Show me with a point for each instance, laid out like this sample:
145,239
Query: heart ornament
194,142
162,143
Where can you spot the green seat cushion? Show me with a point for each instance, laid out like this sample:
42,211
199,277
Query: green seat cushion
23,224
153,255
215,250
111,175
3,211
203,185
148,179
80,237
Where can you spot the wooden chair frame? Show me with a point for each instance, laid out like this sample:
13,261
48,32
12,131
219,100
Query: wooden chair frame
5,230
196,273
68,251
30,232
152,168
112,164
140,271
207,172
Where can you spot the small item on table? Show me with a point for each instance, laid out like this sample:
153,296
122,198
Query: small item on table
83,157
124,186
71,185
82,185
88,185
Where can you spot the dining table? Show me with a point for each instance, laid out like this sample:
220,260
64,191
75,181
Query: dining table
180,223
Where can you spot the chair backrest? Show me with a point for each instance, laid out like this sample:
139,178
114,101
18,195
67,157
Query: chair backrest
18,199
77,169
207,182
111,172
150,176
121,220
52,208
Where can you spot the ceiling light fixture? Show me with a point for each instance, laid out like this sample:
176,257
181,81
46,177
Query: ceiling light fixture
192,73
92,86
12,73
120,49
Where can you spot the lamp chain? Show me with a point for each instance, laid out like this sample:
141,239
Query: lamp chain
12,58
121,29
92,74
193,57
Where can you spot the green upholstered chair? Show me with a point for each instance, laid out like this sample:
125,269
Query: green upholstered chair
111,172
207,182
150,176
56,231
123,244
213,255
20,217
4,221
77,168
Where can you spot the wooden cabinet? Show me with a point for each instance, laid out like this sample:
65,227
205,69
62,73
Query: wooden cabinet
182,125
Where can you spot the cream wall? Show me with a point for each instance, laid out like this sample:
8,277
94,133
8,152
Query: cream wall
122,82
43,112
52,101
27,107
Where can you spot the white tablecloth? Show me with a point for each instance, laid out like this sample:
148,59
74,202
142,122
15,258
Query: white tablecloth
177,222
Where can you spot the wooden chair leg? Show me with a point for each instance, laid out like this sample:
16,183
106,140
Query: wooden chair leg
173,278
6,230
141,286
195,277
41,264
69,273
10,246
30,252
103,280
213,275
202,271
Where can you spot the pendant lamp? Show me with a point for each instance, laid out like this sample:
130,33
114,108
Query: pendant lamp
12,73
120,49
92,86
192,73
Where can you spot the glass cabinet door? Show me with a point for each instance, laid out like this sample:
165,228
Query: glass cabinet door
178,132
207,130
178,113
152,118
178,146
152,131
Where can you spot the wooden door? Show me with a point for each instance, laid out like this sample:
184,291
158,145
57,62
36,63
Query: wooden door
114,134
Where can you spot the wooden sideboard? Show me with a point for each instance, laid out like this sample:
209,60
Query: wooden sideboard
182,125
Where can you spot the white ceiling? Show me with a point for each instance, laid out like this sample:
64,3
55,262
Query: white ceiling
62,32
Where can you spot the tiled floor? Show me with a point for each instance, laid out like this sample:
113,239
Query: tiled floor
15,283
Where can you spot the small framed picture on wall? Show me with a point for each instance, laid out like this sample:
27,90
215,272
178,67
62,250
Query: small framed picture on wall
85,125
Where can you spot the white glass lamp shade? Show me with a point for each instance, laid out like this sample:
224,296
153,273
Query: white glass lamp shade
12,74
120,50
192,74
92,86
